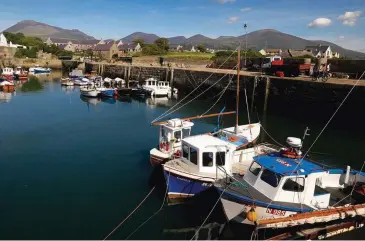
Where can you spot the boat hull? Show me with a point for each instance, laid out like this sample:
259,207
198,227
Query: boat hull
90,93
124,91
181,187
236,209
108,93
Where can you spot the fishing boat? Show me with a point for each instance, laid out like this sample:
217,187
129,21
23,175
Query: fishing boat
119,81
40,70
8,73
158,88
89,92
282,191
202,158
20,73
82,81
124,91
137,90
67,82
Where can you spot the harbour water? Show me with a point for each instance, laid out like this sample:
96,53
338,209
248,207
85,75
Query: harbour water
73,168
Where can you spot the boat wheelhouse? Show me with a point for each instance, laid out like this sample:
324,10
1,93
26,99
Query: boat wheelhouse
205,159
170,138
278,187
158,88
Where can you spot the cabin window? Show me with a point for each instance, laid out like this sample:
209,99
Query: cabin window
220,158
185,133
294,184
177,135
193,156
270,178
185,151
255,168
207,159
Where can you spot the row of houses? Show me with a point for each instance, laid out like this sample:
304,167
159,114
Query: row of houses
102,48
319,51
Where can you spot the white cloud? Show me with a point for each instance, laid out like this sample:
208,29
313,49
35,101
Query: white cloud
233,19
350,18
246,9
320,22
339,38
225,1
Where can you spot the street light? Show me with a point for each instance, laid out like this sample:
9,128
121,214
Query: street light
245,27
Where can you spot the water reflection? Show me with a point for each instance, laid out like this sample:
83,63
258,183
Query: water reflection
68,89
5,96
108,100
33,84
54,75
154,102
91,101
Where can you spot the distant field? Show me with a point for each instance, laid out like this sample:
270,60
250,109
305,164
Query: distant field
189,55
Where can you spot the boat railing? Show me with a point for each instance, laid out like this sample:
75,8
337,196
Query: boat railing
224,171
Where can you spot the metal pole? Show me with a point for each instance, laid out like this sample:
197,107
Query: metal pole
238,86
245,26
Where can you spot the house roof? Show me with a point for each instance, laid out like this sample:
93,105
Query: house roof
297,53
103,47
287,166
127,46
86,41
316,49
62,46
59,40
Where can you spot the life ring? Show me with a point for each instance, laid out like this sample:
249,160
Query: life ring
178,153
233,139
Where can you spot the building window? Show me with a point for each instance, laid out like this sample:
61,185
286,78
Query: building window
177,135
255,168
207,159
294,184
185,133
220,158
270,178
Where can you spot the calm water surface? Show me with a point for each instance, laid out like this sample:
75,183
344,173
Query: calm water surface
71,168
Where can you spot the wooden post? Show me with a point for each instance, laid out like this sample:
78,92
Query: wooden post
253,93
167,74
129,73
171,77
125,74
267,90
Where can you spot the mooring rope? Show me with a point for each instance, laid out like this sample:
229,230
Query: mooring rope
197,232
163,202
167,112
120,224
224,90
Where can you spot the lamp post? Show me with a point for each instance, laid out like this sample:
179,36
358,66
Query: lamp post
245,27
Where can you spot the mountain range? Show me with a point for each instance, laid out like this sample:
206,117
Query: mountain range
268,38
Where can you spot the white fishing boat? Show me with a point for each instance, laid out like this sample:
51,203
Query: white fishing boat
82,81
89,92
282,189
40,70
198,164
67,82
119,81
158,88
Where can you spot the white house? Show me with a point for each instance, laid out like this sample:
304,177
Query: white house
320,51
193,49
4,43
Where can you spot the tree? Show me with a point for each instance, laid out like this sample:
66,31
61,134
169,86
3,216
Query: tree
89,53
139,41
162,44
151,49
201,48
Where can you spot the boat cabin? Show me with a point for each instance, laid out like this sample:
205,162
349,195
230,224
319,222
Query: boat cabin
172,133
8,71
153,83
207,153
302,182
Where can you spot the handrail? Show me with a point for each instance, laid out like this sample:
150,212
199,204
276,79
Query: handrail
222,169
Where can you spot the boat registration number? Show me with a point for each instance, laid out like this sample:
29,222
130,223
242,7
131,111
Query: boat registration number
275,212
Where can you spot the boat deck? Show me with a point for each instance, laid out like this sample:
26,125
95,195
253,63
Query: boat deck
187,167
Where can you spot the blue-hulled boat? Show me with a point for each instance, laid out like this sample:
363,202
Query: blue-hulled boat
107,92
281,188
205,159
40,70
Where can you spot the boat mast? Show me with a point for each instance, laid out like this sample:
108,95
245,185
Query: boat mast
238,86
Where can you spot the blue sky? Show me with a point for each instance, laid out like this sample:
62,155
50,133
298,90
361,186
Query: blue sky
328,19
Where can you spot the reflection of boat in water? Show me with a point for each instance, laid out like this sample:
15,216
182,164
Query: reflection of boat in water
91,101
161,102
125,99
5,96
108,100
68,89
